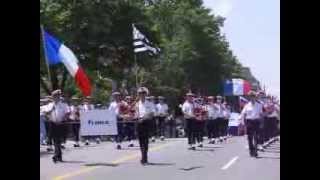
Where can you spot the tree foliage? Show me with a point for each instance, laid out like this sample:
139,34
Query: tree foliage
194,53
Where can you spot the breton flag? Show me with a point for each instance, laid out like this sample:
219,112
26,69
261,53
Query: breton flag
57,53
142,44
236,87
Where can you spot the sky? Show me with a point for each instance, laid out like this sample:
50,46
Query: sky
252,28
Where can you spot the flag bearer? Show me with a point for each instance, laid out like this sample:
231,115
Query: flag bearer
144,114
57,112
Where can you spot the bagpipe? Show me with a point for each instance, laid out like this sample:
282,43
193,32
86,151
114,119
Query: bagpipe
200,112
127,110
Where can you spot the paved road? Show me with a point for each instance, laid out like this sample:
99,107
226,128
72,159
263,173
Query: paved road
170,160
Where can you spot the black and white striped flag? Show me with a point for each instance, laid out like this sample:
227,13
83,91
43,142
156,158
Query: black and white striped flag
142,44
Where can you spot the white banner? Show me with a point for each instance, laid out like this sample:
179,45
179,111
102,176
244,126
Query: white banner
234,119
98,122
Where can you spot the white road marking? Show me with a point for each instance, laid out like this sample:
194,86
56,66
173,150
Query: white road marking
233,160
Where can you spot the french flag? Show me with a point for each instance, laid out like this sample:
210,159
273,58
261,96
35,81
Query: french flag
236,87
57,53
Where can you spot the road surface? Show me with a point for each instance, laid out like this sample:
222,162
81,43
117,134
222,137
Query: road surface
169,160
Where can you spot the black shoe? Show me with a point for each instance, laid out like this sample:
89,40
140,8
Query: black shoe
54,159
153,140
131,145
118,146
76,145
49,149
200,145
143,162
59,159
63,147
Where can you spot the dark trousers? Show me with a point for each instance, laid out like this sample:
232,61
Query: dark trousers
143,129
129,130
191,131
199,131
252,133
221,126
212,128
270,127
57,135
153,127
161,126
120,134
76,130
172,129
64,132
48,126
225,127
261,132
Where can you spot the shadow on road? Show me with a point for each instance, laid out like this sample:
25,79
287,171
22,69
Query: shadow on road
267,157
73,162
210,150
212,146
191,168
102,164
161,164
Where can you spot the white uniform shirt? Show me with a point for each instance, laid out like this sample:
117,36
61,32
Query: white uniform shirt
212,112
226,113
219,110
252,111
187,109
87,107
57,110
273,108
73,112
144,109
114,107
162,108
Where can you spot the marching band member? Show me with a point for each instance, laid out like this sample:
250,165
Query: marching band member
115,107
85,107
226,114
153,121
57,112
144,114
188,112
251,113
75,118
220,117
200,113
212,126
162,113
129,119
270,120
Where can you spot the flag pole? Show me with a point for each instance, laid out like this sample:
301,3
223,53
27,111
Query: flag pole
45,55
136,69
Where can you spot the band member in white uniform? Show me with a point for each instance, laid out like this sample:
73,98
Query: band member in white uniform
251,114
153,122
144,114
85,107
188,113
57,112
212,126
226,114
74,117
220,117
162,113
114,107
